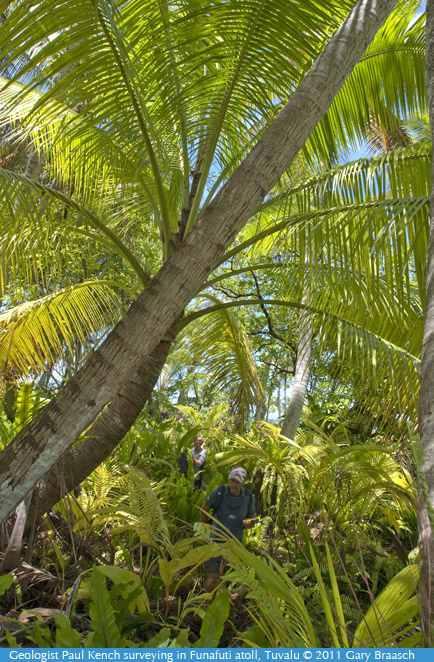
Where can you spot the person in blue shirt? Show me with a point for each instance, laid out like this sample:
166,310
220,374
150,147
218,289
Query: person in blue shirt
233,507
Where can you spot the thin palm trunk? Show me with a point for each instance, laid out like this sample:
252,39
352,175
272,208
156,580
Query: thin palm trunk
426,400
42,442
301,377
302,364
12,555
33,166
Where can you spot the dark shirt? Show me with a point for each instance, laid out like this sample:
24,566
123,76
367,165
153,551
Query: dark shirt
232,510
182,463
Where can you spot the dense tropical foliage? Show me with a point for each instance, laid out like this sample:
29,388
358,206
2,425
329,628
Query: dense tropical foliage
297,354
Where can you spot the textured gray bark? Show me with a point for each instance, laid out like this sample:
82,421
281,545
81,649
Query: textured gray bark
104,435
301,378
40,444
12,557
33,165
302,372
426,399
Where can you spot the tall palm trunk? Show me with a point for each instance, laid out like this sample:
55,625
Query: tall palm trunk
42,442
301,377
104,435
426,400
302,370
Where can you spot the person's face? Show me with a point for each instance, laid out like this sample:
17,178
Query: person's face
198,443
234,487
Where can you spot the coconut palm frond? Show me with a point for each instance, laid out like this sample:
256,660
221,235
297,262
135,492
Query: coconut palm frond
25,212
101,482
383,236
388,79
137,508
158,72
382,344
191,414
38,333
219,342
357,479
402,172
276,602
367,263
216,416
28,403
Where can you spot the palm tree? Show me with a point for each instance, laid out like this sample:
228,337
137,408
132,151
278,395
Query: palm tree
111,40
77,465
367,312
102,149
348,186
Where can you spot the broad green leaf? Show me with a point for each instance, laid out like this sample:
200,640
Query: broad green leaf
132,582
6,582
105,633
160,640
66,636
214,621
395,607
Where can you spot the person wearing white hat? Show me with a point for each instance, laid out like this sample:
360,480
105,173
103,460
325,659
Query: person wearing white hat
232,506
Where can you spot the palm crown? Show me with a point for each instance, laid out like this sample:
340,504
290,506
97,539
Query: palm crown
138,112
